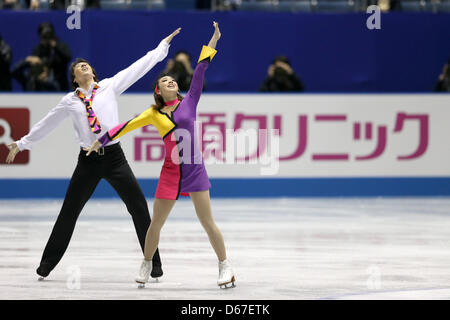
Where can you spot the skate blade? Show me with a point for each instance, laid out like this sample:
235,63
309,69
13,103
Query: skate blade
41,278
141,285
228,285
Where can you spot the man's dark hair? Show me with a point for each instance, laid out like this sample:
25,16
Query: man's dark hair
72,72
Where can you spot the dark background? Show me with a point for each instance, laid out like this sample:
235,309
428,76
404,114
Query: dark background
330,52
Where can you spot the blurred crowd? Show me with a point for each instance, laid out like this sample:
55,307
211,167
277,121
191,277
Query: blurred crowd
50,4
311,5
443,83
46,67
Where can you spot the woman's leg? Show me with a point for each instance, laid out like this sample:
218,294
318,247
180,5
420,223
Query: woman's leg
161,210
202,204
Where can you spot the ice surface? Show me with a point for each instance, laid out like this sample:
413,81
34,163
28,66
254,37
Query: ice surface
280,249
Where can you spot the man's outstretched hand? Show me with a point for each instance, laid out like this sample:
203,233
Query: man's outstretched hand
13,151
173,34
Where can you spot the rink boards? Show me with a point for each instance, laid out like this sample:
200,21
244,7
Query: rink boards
260,145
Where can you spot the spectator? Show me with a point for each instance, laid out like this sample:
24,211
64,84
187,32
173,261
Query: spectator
5,63
54,55
34,75
180,69
203,4
57,5
386,5
223,4
11,4
92,4
281,77
62,4
33,4
83,4
443,84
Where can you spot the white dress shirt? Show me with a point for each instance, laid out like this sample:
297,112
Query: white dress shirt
104,103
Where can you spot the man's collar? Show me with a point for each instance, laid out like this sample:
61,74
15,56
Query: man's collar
91,87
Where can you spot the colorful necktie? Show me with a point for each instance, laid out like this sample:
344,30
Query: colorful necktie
92,118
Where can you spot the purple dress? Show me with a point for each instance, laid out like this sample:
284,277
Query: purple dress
183,170
193,172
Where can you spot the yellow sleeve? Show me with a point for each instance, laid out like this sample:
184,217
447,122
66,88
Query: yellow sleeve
142,120
207,52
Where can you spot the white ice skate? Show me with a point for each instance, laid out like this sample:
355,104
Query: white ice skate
226,275
144,273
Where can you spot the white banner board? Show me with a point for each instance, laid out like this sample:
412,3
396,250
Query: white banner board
319,135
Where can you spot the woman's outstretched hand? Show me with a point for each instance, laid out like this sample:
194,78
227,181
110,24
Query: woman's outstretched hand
217,33
95,147
173,34
216,36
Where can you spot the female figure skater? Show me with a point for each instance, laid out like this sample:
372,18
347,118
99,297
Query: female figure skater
183,171
93,109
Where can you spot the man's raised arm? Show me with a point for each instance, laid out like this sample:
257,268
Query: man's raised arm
127,77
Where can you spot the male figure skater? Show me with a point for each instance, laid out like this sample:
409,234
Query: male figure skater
93,110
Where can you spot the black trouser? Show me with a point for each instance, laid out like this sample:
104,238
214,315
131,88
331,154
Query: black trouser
114,168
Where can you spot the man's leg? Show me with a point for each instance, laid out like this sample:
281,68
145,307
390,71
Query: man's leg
82,185
124,182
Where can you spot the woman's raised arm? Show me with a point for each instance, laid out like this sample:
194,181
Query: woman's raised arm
208,52
216,36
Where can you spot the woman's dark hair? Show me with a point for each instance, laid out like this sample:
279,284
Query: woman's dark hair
72,72
159,101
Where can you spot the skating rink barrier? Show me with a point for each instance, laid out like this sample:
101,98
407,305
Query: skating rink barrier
307,145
